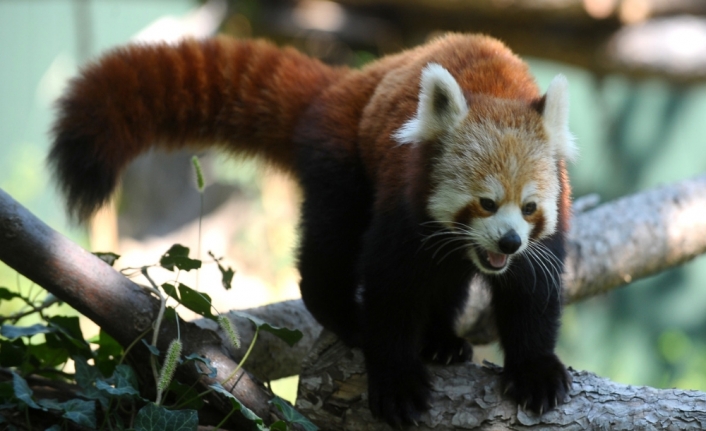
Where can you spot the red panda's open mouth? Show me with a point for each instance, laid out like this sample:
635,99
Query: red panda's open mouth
491,261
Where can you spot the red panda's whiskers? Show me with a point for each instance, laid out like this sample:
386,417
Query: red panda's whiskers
459,232
531,254
547,262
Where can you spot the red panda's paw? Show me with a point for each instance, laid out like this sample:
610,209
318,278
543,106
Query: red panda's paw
538,385
399,395
447,350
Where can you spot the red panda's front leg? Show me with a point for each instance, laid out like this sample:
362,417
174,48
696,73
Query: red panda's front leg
410,296
527,306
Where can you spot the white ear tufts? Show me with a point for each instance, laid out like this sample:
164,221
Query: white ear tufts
556,118
441,107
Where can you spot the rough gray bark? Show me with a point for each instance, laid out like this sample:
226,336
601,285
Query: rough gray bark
271,358
332,392
636,236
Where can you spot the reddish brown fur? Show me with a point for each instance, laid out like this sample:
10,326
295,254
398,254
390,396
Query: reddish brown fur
250,96
565,198
199,93
481,65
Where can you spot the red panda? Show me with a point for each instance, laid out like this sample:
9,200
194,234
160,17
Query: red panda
419,171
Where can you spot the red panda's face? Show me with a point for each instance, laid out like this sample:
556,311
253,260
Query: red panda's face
495,181
495,178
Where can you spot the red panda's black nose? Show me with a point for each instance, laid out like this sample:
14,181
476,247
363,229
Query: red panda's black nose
510,242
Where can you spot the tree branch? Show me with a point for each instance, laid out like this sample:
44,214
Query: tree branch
119,306
332,392
609,246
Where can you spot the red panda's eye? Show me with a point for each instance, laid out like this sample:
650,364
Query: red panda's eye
529,208
488,205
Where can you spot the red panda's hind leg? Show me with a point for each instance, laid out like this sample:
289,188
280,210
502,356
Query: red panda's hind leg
335,214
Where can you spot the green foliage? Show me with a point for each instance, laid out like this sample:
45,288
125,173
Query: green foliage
199,173
177,257
292,416
13,332
109,394
155,418
226,273
229,328
107,257
289,336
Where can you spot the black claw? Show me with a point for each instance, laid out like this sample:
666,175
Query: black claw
538,384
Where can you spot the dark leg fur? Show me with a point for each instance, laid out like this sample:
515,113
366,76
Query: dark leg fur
445,347
405,291
527,305
335,213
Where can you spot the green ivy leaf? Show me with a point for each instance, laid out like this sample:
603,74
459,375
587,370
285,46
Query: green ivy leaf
289,336
170,290
68,336
86,377
80,411
46,356
23,392
178,256
122,383
107,257
7,394
153,349
196,301
292,416
186,393
226,274
12,353
237,405
13,332
207,362
155,418
7,294
279,426
170,315
108,353
49,403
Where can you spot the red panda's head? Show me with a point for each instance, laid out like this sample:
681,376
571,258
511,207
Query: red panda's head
495,176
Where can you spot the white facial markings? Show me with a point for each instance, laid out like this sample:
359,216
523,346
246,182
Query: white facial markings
491,229
510,164
446,201
529,192
492,189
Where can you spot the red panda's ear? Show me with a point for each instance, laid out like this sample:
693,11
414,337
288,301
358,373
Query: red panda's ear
441,107
554,107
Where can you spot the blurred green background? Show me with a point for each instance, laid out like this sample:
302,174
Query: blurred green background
632,134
